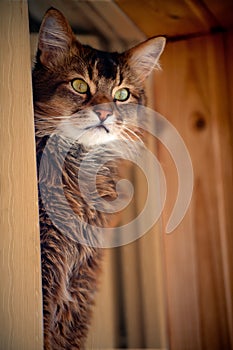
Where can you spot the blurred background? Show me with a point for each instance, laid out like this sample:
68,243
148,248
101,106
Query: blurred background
171,291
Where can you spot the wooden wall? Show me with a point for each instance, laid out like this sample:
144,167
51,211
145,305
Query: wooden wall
177,19
194,91
20,290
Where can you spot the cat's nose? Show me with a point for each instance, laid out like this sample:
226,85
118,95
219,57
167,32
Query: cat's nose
103,111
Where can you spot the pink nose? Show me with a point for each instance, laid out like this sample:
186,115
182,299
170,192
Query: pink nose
103,112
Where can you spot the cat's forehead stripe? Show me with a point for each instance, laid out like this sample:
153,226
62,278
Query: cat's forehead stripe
106,68
120,77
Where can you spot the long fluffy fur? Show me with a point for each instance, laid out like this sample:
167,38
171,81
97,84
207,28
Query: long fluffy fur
70,268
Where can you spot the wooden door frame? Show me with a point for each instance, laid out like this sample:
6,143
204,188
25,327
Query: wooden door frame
20,292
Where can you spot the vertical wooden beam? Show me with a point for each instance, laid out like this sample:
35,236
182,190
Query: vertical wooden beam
20,291
221,91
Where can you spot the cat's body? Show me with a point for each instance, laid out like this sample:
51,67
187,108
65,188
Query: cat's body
77,84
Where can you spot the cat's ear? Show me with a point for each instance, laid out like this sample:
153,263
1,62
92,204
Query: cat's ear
144,57
55,38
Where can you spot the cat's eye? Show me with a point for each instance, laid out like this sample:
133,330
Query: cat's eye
122,94
80,86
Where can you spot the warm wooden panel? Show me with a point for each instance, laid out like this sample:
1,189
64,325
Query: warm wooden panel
103,331
142,269
151,17
92,18
20,292
192,92
131,289
143,292
175,18
170,17
222,10
228,184
150,255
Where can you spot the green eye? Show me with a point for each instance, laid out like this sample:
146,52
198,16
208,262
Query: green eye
80,86
121,94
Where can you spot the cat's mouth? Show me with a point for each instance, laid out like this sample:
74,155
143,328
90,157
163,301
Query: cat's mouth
98,134
102,126
98,126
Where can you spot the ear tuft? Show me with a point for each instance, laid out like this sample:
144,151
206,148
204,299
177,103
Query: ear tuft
55,37
144,57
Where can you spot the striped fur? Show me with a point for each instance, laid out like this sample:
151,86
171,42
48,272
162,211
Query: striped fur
70,269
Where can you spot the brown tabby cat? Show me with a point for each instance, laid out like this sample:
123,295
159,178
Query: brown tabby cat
76,83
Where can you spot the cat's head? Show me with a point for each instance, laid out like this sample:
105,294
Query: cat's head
88,91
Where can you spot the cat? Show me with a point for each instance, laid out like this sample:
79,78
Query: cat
77,84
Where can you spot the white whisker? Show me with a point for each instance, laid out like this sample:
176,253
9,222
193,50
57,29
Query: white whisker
125,135
133,133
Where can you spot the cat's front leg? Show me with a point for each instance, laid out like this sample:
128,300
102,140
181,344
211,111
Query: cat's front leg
69,273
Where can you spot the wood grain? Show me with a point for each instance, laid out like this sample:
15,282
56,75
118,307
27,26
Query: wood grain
103,331
143,269
178,18
171,18
226,173
222,11
20,292
192,92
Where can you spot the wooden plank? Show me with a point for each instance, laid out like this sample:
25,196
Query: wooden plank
150,255
20,292
103,330
224,150
150,252
103,18
171,18
222,10
192,93
132,312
